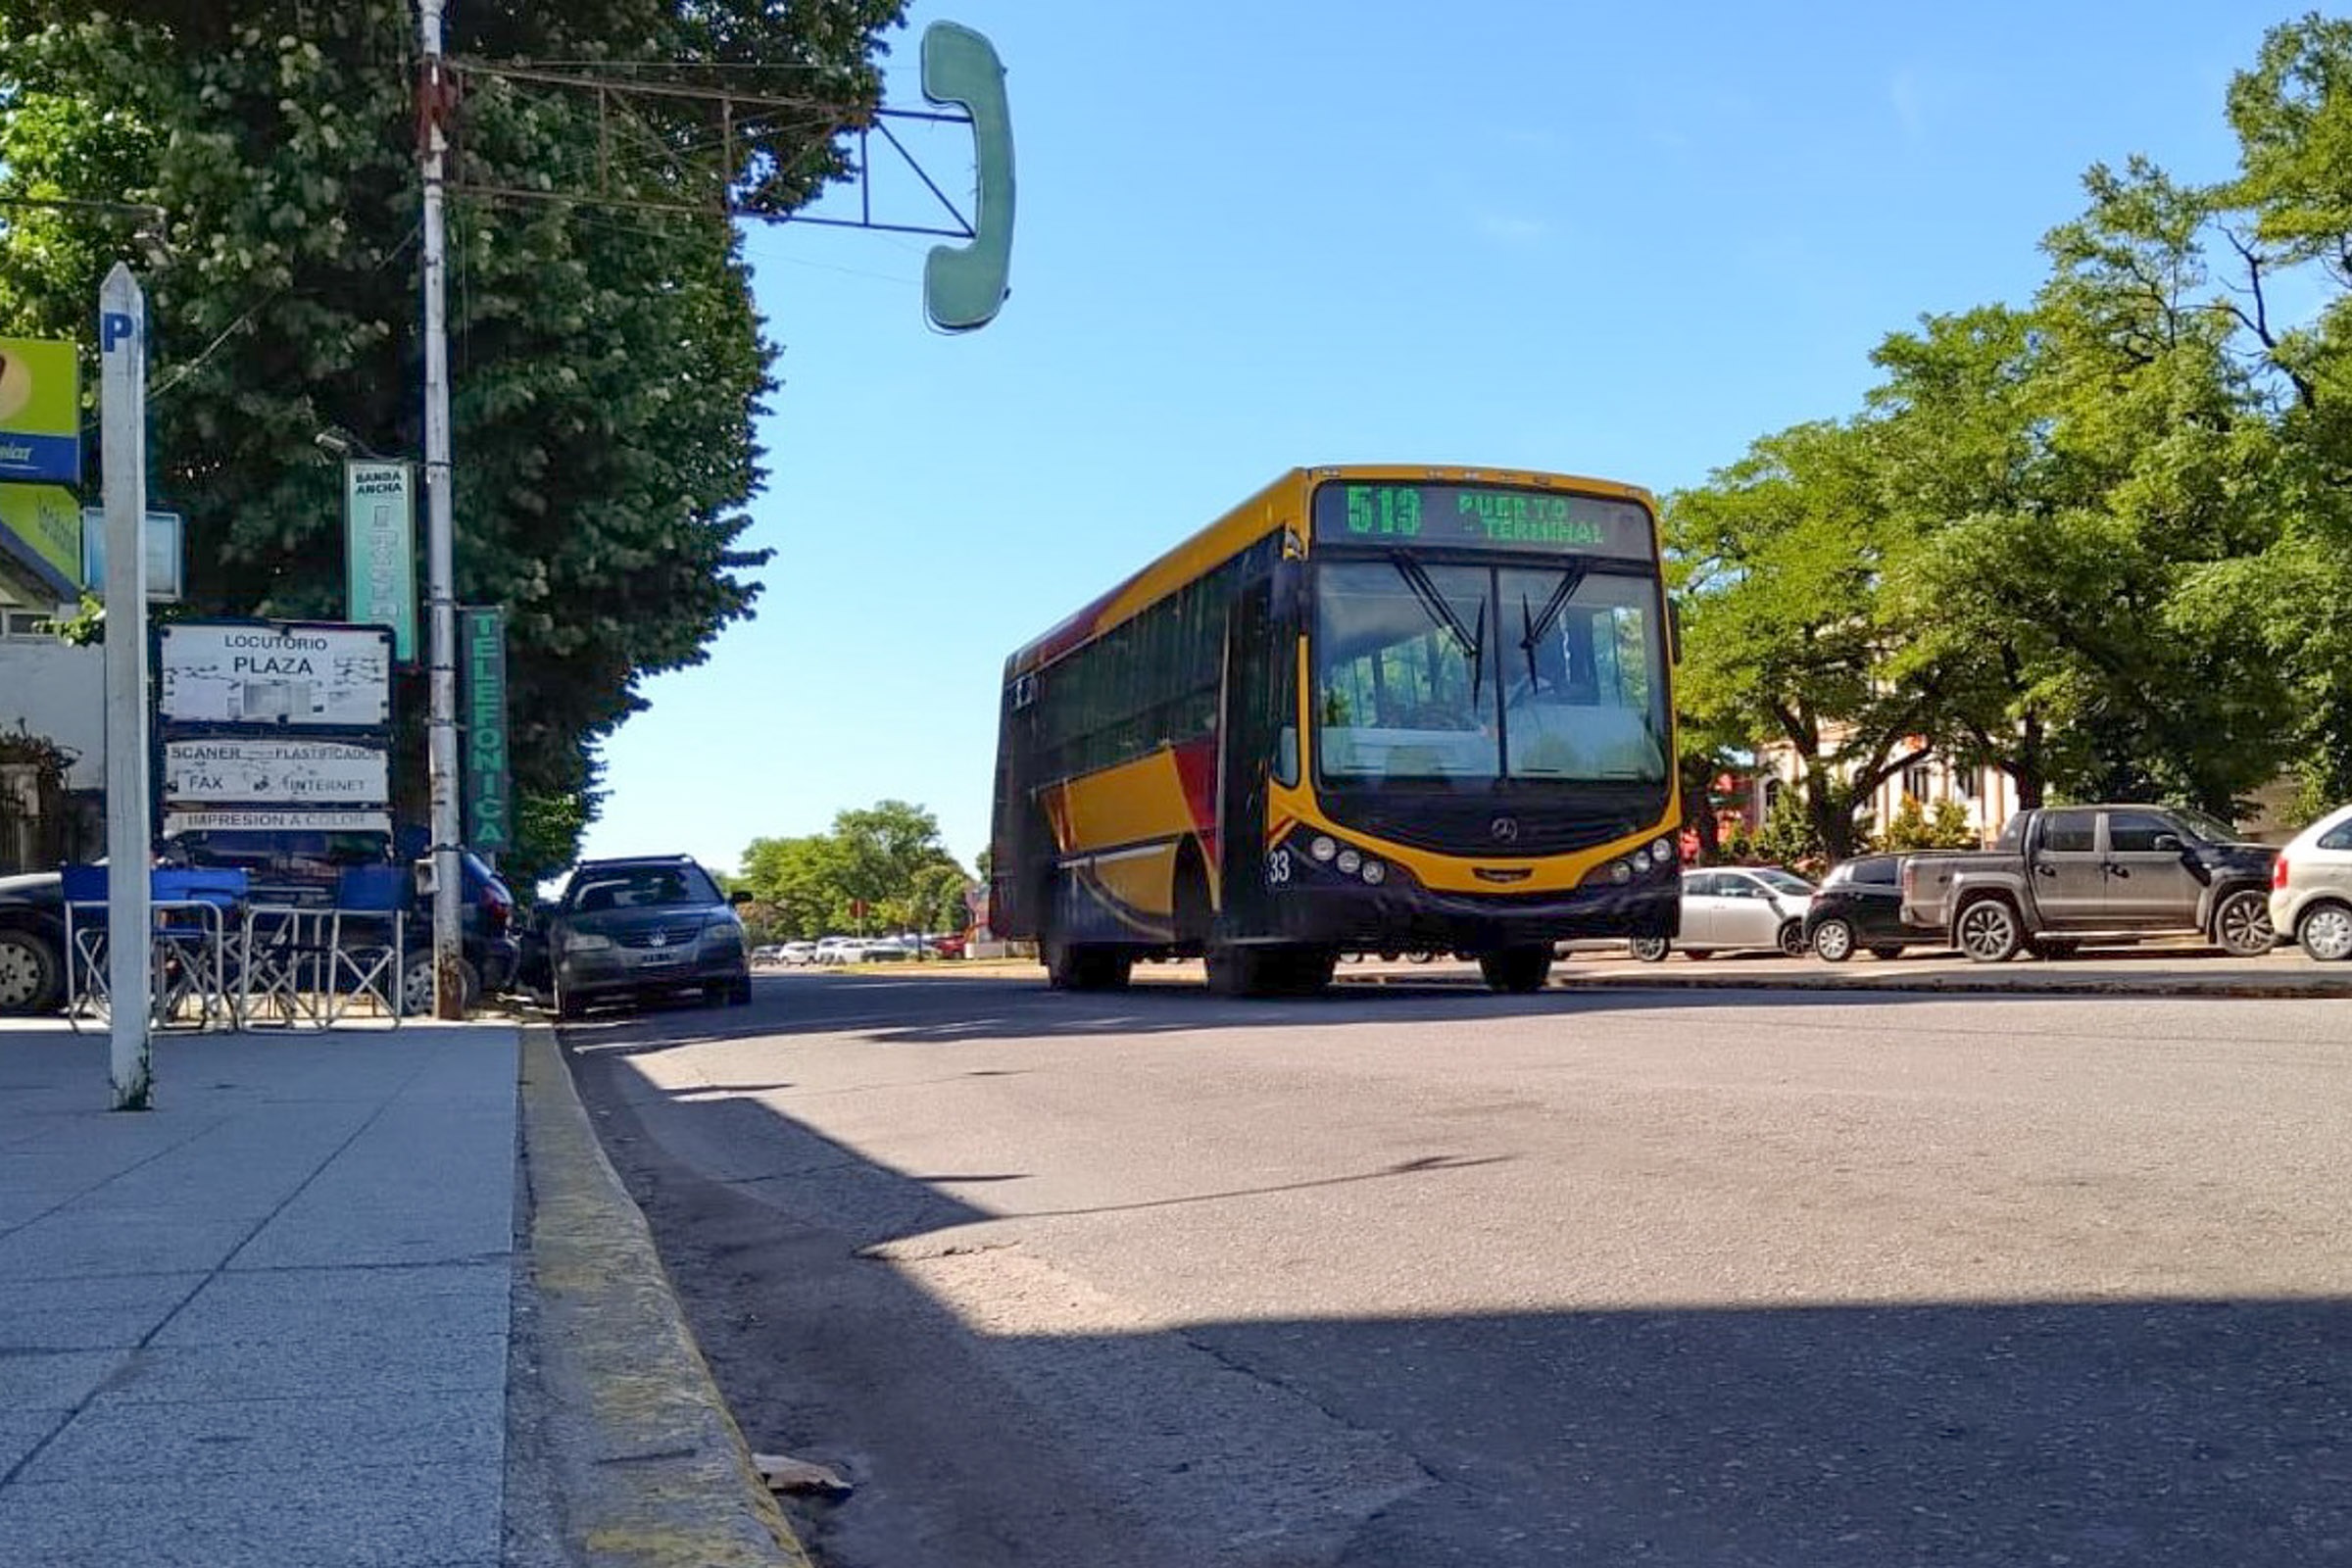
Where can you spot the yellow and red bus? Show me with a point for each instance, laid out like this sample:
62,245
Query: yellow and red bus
1371,708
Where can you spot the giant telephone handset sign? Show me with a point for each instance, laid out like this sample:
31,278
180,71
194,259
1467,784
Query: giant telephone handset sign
963,285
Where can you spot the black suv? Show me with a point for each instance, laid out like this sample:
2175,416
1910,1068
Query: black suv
653,923
1859,904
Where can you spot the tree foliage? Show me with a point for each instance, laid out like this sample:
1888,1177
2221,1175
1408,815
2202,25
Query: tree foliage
886,856
606,365
2101,541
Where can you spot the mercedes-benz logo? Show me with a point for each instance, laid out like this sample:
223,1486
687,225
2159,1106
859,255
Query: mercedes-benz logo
1505,829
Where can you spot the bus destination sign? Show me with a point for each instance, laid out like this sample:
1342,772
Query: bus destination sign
1480,517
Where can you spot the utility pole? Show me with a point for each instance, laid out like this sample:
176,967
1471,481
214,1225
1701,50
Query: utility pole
449,991
129,847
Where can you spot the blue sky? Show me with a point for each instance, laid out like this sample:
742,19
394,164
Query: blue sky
1614,240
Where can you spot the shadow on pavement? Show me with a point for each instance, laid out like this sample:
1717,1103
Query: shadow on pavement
949,1011
2100,1434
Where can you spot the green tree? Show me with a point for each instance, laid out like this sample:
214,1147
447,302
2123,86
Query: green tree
800,880
608,365
1780,557
937,899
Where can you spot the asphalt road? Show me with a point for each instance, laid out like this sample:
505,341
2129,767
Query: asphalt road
1417,1276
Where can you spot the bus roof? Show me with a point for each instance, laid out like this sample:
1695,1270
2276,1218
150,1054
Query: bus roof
1280,505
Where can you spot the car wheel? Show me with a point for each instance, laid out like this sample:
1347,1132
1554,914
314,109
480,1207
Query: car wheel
738,995
1792,939
569,1004
2242,924
1650,950
2325,932
1987,931
416,986
29,973
1833,941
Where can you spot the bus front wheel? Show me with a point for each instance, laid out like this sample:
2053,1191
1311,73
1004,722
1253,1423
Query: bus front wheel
1269,971
1516,970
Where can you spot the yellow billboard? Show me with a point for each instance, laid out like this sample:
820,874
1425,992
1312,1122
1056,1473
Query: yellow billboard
40,536
40,411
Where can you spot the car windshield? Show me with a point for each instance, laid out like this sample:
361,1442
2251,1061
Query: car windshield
1783,882
639,887
1467,674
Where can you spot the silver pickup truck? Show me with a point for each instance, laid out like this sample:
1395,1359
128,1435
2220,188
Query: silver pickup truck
2066,875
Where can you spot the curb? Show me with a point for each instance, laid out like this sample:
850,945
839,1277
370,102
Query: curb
655,1471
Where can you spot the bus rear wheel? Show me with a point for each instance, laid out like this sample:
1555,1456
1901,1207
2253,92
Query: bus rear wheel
1516,970
1087,966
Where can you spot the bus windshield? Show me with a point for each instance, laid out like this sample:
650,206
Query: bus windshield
1463,676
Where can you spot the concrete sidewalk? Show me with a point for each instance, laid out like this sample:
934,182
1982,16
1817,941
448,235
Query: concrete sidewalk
268,1322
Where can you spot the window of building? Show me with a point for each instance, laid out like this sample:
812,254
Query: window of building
1919,781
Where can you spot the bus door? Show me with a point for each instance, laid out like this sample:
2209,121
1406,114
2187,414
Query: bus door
1260,660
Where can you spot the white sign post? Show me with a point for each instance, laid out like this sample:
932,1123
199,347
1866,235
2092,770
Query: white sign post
123,428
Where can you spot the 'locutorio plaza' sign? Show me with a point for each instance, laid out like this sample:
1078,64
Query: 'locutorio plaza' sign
293,676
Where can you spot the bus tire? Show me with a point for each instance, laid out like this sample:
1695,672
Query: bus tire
1188,902
1516,971
1235,971
1087,966
1304,971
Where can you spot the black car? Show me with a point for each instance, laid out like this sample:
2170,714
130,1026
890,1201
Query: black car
288,868
1860,906
631,928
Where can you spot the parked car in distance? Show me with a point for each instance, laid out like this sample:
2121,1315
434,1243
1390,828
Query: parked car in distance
2311,887
2062,876
629,928
797,952
836,950
1859,907
949,946
1727,907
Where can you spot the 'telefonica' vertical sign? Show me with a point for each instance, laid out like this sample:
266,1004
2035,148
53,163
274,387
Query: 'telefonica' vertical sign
482,648
379,521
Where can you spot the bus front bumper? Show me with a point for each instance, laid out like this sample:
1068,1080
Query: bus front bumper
1319,905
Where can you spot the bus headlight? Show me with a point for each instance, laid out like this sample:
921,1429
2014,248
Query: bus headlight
1323,848
1375,873
1350,862
1621,873
1661,852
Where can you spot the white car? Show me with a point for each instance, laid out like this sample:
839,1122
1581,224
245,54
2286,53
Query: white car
2311,887
1727,907
836,950
797,952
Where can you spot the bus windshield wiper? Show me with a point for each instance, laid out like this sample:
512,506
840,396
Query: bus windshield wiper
1540,622
1433,604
